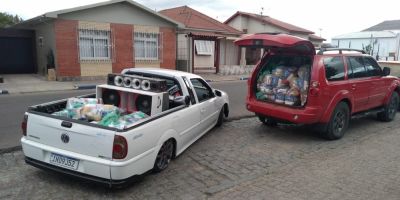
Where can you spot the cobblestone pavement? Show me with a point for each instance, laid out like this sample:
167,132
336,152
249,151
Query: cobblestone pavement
244,160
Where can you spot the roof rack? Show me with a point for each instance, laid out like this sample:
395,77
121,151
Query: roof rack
322,50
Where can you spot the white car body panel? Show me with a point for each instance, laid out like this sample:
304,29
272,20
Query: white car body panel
92,145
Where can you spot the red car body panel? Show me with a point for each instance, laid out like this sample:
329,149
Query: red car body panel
361,94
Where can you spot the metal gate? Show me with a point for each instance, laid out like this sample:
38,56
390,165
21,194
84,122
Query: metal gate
17,51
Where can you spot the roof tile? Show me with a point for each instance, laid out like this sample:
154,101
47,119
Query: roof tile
195,19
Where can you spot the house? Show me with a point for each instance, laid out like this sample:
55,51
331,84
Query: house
204,44
93,40
254,23
381,41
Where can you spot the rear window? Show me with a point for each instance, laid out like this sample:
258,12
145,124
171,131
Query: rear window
283,79
334,68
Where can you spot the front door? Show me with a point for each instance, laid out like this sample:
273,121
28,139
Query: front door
207,101
360,83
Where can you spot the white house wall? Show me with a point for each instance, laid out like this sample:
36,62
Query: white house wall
229,53
386,45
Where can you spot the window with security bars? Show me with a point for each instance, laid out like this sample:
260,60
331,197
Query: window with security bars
94,44
147,46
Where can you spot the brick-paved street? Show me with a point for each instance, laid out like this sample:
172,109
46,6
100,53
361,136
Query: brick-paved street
245,160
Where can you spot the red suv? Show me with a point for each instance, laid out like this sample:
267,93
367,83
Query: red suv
292,83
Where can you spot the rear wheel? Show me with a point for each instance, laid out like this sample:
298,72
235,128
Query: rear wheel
267,121
164,156
390,109
338,123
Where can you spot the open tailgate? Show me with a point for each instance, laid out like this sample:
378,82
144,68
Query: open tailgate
277,41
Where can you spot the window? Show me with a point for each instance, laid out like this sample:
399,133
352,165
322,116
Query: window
204,47
334,68
203,91
147,46
372,67
356,67
94,44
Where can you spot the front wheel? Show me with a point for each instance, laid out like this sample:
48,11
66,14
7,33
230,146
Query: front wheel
390,109
164,156
338,123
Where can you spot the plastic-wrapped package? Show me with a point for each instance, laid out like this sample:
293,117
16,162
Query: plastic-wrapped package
122,122
80,102
73,113
96,112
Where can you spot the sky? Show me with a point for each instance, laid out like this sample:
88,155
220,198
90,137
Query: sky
327,18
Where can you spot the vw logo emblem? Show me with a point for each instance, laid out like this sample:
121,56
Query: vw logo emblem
65,138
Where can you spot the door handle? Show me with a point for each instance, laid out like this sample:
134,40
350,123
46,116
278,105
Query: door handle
353,87
202,110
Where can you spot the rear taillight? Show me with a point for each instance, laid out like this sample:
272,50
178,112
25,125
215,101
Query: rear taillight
314,90
120,147
24,124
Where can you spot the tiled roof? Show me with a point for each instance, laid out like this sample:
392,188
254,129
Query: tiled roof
272,21
385,25
197,20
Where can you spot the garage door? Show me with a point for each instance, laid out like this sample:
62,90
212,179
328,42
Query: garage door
16,52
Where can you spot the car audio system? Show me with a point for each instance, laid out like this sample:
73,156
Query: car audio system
132,100
137,82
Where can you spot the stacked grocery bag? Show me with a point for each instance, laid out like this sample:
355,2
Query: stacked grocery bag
284,85
94,111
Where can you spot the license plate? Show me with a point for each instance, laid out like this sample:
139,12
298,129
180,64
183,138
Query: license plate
64,161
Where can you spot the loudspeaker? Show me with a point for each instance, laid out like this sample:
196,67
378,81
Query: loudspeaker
137,82
133,100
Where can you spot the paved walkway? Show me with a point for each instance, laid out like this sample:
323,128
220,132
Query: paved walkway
28,83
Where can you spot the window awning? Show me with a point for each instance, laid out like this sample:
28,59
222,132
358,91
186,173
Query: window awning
205,34
204,47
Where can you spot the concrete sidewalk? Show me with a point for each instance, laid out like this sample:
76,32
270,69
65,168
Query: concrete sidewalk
29,83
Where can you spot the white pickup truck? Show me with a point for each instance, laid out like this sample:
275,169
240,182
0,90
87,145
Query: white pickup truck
114,156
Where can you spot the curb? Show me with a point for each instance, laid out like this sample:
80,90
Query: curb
10,149
4,92
84,87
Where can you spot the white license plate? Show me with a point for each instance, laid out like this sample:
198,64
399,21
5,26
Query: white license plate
64,161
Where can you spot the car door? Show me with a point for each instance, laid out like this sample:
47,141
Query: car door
378,89
359,81
187,122
207,101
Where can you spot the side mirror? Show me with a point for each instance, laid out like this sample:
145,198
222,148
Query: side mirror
187,100
386,71
218,93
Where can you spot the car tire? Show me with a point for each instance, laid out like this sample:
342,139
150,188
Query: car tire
338,123
267,121
221,118
164,156
390,109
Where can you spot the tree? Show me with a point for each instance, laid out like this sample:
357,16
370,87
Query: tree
8,19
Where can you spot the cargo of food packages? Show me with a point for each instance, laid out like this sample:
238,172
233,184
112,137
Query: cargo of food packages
121,122
284,85
91,109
